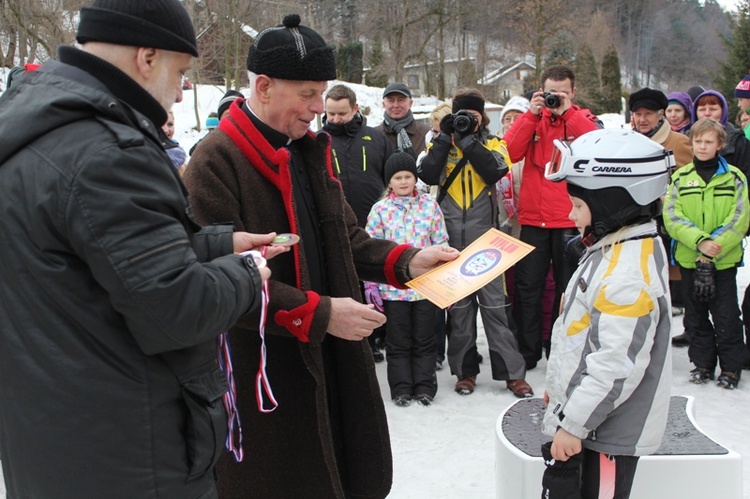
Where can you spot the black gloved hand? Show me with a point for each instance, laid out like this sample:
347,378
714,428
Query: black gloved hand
704,286
561,479
446,124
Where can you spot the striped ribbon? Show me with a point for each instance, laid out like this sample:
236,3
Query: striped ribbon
230,401
233,443
262,384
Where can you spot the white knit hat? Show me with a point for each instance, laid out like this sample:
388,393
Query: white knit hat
516,103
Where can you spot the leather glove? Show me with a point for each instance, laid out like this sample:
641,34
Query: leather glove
372,296
704,286
446,124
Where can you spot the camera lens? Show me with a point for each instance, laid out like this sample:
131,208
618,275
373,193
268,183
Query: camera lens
462,124
551,100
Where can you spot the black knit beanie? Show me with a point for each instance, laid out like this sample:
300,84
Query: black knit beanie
161,24
226,101
290,51
398,162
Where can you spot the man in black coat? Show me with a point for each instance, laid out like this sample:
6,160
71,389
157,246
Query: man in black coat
113,298
359,156
359,151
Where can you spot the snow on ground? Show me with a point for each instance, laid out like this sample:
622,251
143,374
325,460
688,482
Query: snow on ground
448,450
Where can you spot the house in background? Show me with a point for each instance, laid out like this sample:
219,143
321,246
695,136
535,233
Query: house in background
423,78
503,83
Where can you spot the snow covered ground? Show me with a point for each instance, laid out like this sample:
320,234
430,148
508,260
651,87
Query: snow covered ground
447,450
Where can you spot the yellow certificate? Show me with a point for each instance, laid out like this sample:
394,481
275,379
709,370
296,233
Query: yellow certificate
481,262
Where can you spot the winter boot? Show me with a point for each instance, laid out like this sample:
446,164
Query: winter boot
561,480
729,379
424,399
465,386
403,400
701,375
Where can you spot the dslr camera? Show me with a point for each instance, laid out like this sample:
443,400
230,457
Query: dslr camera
464,122
551,100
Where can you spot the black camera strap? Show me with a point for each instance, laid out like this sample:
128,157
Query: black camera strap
448,181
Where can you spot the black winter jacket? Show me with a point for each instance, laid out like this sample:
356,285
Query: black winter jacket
111,298
359,156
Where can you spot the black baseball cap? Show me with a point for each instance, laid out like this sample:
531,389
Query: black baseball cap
397,88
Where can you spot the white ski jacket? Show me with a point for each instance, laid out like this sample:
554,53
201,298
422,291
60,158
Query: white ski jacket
609,371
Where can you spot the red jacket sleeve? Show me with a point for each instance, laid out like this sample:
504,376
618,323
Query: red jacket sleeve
520,135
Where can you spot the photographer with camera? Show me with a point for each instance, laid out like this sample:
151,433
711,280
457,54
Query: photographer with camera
543,206
466,161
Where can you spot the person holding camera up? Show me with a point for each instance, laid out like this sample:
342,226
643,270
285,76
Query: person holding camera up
543,206
466,161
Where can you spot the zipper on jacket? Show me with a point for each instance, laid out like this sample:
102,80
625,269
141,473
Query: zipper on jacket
364,159
463,207
159,249
336,160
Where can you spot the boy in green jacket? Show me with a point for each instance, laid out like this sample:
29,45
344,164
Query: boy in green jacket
706,214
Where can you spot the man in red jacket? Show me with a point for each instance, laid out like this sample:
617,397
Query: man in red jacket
543,206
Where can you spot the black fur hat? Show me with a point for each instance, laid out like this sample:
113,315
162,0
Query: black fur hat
161,24
292,52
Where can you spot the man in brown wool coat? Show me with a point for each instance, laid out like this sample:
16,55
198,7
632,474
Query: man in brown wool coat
263,169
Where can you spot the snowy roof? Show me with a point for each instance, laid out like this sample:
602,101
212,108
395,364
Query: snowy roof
498,74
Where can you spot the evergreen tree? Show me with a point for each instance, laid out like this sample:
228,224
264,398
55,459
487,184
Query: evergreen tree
349,62
737,63
375,77
587,80
561,53
611,86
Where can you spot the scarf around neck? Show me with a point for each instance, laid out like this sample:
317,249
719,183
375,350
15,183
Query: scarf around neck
399,128
678,127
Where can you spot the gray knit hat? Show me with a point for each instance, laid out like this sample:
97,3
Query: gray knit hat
291,51
161,24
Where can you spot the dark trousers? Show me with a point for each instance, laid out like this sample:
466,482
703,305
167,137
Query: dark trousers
410,347
530,276
442,332
723,337
601,472
746,316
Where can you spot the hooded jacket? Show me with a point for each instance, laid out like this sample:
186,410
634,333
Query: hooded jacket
112,297
718,210
543,203
610,365
736,150
359,156
683,99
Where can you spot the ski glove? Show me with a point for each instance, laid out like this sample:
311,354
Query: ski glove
372,296
446,124
561,479
704,286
